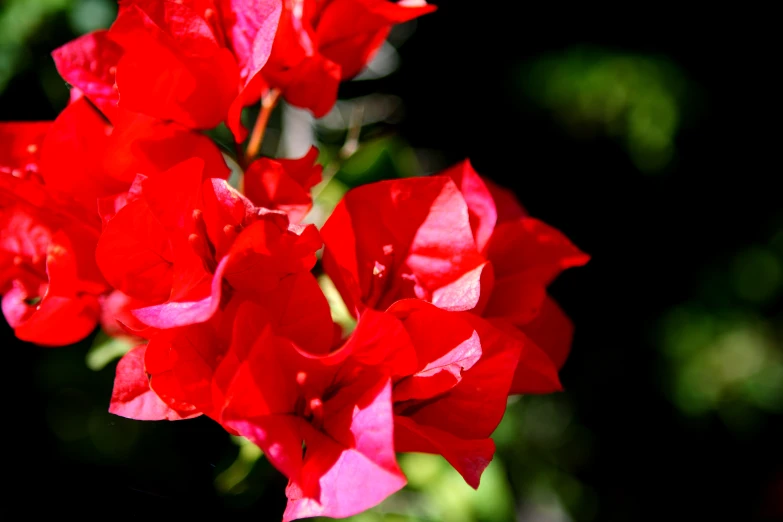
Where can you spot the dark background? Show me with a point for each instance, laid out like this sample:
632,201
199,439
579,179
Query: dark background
658,240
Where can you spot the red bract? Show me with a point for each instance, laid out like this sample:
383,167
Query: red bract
89,64
185,240
283,184
319,44
447,245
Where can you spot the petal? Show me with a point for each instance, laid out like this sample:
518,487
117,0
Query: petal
172,314
481,206
470,292
552,331
20,144
506,204
134,254
283,184
182,363
446,346
279,436
72,156
533,247
518,298
143,144
263,254
251,27
89,64
60,321
172,67
469,457
311,85
350,31
398,239
473,408
536,371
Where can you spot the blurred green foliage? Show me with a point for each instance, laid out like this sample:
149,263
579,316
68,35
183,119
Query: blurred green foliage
23,22
637,99
724,347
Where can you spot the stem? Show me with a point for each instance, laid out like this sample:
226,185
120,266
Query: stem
349,148
257,136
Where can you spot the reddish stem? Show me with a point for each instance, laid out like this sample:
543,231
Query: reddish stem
257,136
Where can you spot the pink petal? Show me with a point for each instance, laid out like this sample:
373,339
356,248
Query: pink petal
252,27
132,397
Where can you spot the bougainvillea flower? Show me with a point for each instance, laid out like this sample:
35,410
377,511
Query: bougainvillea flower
258,372
319,44
447,245
283,184
49,280
186,239
256,368
404,238
57,177
456,395
173,66
437,380
188,61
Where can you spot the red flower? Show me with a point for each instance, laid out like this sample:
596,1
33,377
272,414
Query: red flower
192,62
185,240
55,178
319,44
173,65
415,378
49,280
255,368
440,239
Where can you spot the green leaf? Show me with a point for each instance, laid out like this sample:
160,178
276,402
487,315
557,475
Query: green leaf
238,471
105,349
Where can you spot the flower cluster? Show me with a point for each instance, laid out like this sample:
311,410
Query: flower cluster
119,213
